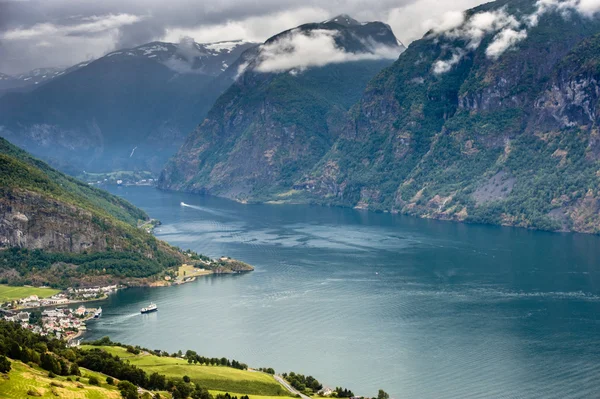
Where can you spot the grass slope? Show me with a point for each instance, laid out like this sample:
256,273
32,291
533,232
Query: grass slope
214,378
46,179
22,378
8,293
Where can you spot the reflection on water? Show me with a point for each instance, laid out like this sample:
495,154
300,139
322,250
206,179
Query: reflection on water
423,309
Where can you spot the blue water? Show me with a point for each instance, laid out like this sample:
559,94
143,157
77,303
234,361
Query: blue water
422,309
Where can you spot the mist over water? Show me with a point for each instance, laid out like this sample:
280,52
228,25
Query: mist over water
422,309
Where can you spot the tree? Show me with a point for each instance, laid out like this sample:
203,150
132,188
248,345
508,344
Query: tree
182,390
74,370
110,380
383,394
4,364
128,390
93,380
157,381
186,378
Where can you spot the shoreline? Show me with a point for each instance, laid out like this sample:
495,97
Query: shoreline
64,304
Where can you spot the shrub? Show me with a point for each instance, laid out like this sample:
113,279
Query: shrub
4,364
51,374
110,380
93,380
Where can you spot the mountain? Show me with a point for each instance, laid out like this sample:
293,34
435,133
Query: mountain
456,130
128,110
278,118
28,81
57,230
492,119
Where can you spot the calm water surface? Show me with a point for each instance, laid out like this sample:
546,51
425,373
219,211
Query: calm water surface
423,309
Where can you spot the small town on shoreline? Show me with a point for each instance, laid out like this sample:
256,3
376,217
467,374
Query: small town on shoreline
56,319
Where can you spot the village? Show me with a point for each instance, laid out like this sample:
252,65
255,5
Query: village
69,296
56,319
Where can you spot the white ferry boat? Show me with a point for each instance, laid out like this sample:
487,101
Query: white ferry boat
98,313
150,308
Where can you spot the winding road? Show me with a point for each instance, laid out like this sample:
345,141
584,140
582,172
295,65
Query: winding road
287,386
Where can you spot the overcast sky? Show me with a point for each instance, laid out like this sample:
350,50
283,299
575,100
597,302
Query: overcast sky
46,33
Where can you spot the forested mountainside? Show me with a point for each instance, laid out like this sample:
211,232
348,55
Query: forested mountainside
128,110
56,230
493,119
280,116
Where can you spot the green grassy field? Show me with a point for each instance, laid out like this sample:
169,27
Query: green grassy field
214,378
8,293
22,378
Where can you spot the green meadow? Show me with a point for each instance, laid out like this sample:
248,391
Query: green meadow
23,379
214,378
9,293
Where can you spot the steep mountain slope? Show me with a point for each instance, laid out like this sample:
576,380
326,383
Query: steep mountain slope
130,109
43,209
277,119
497,125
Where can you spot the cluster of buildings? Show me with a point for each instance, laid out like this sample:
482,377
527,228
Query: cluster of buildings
90,293
64,298
59,322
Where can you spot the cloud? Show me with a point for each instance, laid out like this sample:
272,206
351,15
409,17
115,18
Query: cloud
88,25
186,55
253,28
503,41
479,25
410,21
449,20
443,66
304,49
508,30
203,20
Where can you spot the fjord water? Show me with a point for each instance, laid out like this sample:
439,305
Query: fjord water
423,309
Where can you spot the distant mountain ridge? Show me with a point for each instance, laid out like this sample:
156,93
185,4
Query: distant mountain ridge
277,119
128,110
24,82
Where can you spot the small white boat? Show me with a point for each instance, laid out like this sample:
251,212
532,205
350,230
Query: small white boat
98,313
150,308
182,203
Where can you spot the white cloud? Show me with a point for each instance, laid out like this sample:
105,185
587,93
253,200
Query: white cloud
300,50
507,29
503,41
449,20
443,66
481,24
89,25
256,29
412,20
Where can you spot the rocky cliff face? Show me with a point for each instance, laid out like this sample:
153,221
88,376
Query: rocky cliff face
33,221
509,140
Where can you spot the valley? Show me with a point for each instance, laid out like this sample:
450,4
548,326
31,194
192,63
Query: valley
405,201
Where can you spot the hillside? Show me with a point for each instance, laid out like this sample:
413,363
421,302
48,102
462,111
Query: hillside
491,120
213,378
277,119
84,234
128,110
